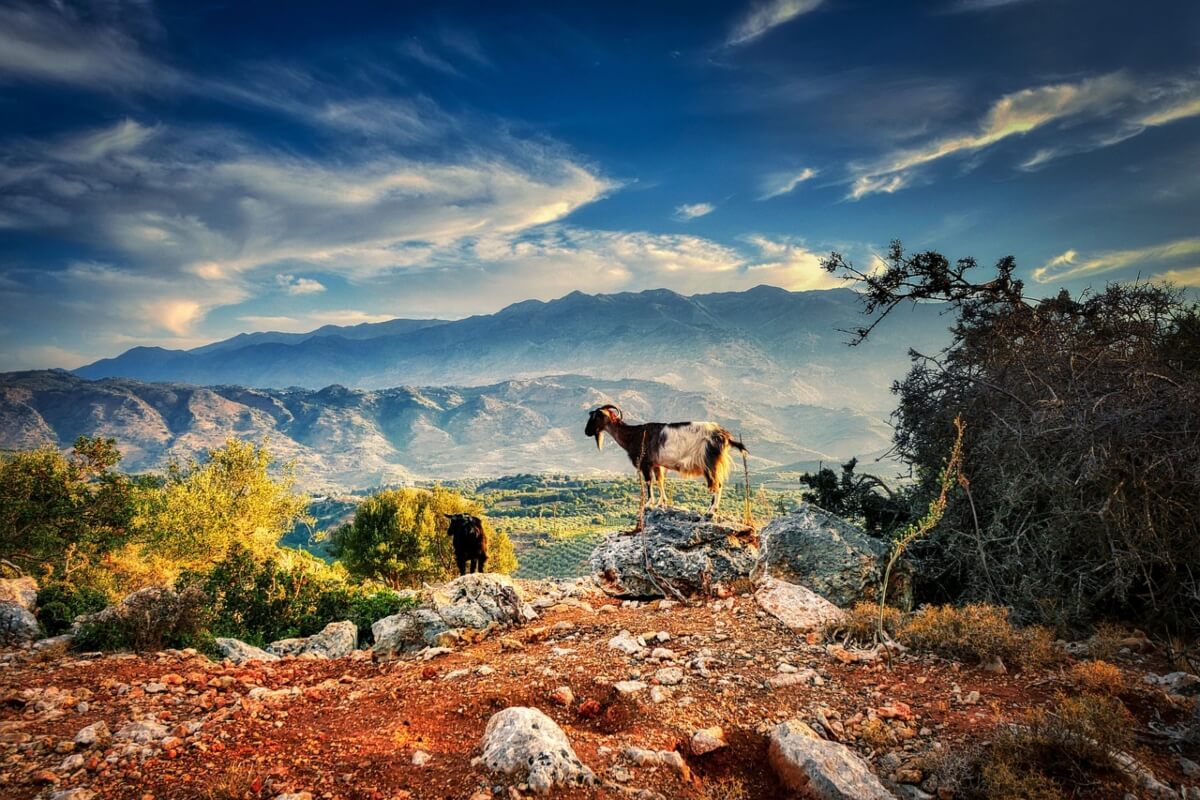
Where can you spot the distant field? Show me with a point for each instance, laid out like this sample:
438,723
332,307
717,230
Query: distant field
555,521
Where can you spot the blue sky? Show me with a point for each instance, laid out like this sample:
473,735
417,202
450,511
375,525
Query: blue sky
174,173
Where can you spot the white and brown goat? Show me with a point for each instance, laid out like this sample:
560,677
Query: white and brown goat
692,449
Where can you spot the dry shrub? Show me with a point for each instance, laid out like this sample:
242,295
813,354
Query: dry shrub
861,624
876,734
1074,744
977,631
1107,640
1098,677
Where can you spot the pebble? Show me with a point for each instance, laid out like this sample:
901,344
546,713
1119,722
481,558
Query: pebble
420,758
669,676
707,740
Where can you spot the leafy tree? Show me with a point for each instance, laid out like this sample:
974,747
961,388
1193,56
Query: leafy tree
859,496
232,497
59,514
1081,494
398,537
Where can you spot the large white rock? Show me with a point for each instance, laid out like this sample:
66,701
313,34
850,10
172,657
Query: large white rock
239,652
829,555
19,591
824,770
336,640
526,742
797,607
688,552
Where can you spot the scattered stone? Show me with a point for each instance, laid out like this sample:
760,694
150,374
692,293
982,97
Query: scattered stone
53,647
78,793
659,694
657,758
826,770
707,740
994,665
527,742
627,644
420,758
143,732
94,734
669,676
808,676
689,552
1175,682
629,687
563,696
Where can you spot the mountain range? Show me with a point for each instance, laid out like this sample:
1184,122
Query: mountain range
782,347
487,395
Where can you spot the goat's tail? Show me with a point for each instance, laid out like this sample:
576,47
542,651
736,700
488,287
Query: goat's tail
739,446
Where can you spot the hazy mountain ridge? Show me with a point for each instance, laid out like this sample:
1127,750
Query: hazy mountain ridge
782,347
343,437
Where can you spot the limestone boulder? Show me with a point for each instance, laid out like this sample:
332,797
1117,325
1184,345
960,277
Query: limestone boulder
821,769
526,743
829,555
239,652
336,640
797,607
689,552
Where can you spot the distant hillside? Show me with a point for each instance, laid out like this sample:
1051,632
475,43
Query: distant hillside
343,437
775,346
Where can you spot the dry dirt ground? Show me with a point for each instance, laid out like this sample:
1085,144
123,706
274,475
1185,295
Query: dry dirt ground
349,728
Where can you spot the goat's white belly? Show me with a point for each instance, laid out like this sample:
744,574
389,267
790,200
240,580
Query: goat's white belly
683,448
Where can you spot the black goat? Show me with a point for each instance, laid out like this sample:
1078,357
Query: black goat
470,542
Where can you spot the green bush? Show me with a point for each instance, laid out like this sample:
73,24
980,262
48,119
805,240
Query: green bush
290,594
60,603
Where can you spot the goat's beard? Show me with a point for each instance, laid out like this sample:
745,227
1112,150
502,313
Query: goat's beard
599,440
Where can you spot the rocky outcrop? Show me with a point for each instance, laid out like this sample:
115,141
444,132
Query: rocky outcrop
797,607
525,742
477,602
822,769
239,652
18,625
22,592
834,558
688,552
336,640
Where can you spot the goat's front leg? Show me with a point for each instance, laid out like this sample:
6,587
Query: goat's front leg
716,501
663,498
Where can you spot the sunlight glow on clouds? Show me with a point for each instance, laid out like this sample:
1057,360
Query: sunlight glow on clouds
1070,265
1133,108
299,286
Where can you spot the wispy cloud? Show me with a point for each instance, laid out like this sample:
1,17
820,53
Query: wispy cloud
689,211
50,42
967,6
1189,276
781,183
1071,264
765,16
1012,115
1117,106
